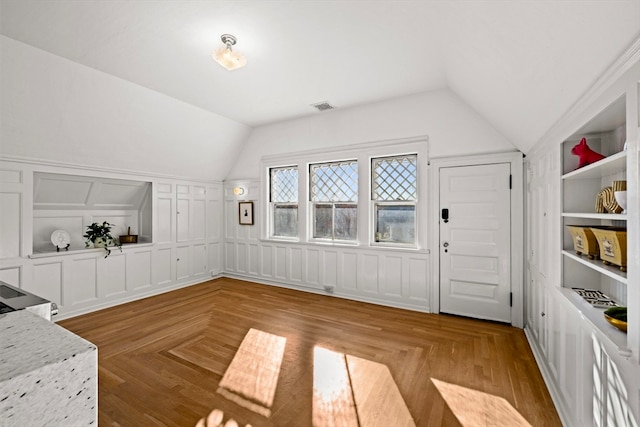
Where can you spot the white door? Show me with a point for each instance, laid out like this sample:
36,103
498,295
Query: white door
475,244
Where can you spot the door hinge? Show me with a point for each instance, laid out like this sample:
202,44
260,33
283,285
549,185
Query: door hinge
510,182
510,299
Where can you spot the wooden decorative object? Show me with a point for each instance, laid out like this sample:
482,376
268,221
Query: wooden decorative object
613,245
584,241
606,201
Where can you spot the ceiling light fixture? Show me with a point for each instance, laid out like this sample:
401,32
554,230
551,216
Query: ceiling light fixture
226,57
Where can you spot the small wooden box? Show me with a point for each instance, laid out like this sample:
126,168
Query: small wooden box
613,245
584,241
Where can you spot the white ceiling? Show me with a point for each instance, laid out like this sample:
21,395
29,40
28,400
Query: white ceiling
520,64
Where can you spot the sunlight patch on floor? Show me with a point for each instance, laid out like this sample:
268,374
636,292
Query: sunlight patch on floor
479,409
252,376
351,391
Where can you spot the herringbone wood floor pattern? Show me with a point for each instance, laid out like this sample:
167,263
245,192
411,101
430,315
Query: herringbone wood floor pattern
161,358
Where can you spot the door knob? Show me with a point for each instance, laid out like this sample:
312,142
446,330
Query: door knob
445,244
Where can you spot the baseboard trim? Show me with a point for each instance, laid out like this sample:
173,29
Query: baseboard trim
556,397
318,291
130,298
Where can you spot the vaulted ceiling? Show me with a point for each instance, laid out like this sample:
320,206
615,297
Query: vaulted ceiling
520,64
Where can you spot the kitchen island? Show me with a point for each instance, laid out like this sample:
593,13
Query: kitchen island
48,375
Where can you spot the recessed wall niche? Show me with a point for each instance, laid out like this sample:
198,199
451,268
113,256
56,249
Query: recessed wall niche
72,202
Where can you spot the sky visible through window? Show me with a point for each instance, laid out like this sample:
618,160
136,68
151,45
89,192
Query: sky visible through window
394,178
334,182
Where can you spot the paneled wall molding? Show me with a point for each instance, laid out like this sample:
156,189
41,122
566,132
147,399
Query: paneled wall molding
182,245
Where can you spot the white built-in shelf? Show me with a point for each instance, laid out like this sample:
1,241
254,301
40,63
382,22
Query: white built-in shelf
610,216
50,251
595,316
607,166
612,271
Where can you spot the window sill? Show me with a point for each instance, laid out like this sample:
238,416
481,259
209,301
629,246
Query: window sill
371,246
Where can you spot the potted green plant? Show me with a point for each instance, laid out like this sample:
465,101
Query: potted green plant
100,236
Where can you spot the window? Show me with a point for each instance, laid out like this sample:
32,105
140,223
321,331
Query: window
394,194
284,201
333,190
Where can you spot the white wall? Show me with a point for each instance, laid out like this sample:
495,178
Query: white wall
400,278
452,126
57,110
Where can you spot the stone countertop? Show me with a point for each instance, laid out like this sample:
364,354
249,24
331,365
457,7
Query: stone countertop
29,342
48,375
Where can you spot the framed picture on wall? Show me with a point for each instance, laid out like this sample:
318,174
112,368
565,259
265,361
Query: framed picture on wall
245,213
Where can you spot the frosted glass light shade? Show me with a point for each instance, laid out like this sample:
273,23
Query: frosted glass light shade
229,59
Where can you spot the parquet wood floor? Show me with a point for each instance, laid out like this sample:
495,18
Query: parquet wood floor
161,358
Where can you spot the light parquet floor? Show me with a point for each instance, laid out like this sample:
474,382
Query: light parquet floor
161,358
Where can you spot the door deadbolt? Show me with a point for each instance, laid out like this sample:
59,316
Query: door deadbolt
445,215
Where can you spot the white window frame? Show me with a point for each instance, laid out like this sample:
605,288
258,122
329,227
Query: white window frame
273,205
363,153
333,203
382,240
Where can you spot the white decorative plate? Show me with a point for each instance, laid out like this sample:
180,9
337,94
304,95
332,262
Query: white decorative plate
60,238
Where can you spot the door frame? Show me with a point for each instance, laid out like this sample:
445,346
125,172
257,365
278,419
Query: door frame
515,158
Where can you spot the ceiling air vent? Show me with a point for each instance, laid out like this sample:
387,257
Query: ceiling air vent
323,106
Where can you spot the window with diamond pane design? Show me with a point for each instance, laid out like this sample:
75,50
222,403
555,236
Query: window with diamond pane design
334,193
284,201
334,182
394,178
394,192
284,185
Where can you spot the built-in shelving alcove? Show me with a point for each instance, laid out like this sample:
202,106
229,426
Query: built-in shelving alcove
72,202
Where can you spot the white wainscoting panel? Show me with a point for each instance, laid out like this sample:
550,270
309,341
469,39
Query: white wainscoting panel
369,276
199,260
231,216
183,262
10,214
111,276
162,266
393,280
349,271
253,262
47,281
138,270
418,272
183,206
164,217
266,258
389,277
82,286
241,257
10,176
229,257
199,221
312,264
330,270
296,264
215,267
281,263
11,276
